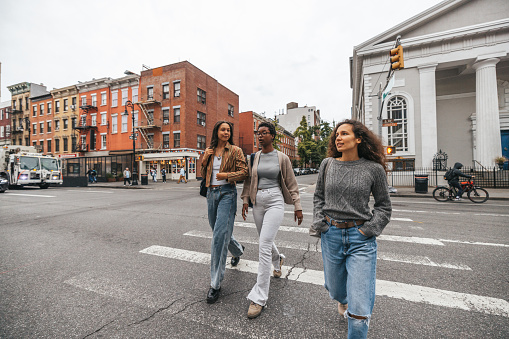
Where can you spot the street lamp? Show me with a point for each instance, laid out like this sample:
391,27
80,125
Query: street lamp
133,136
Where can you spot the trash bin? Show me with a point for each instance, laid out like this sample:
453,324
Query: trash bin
421,183
135,178
144,179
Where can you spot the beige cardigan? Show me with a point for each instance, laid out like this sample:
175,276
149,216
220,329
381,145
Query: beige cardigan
289,185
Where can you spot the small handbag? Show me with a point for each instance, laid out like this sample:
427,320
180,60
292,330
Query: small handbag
203,184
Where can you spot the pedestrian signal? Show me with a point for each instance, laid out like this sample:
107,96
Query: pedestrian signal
390,150
139,158
396,56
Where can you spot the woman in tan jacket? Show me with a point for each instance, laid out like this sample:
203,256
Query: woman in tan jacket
226,166
270,185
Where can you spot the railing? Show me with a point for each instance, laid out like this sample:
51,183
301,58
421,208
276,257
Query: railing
485,177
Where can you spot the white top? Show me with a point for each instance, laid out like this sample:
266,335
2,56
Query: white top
182,171
215,169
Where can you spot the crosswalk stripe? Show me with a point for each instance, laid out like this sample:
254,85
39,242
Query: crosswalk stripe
391,289
397,238
407,259
32,195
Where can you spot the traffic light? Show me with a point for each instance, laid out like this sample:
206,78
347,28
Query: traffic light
390,150
396,56
140,158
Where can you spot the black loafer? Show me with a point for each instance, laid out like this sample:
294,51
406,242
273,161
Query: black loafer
213,295
235,260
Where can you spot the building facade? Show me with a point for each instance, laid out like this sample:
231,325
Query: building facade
5,123
249,123
453,93
41,123
65,115
291,120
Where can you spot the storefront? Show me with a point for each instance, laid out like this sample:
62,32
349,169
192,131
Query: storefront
172,162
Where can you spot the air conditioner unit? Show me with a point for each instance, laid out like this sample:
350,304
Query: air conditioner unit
203,123
73,107
19,128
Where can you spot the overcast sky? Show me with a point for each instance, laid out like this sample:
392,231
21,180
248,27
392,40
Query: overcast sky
268,52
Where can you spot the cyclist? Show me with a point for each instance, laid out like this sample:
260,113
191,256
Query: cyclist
454,179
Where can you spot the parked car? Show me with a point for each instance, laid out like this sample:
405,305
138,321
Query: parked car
296,171
4,184
304,171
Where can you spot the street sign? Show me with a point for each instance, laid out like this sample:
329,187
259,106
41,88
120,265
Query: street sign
131,137
389,123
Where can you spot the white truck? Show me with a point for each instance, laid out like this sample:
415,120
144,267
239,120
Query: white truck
23,166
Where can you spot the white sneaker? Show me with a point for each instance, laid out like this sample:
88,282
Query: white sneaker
458,199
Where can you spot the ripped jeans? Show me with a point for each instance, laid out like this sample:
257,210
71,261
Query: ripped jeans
349,262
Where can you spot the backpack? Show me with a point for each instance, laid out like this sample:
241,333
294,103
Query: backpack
449,174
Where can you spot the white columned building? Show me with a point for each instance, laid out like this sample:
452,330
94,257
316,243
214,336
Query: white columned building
428,122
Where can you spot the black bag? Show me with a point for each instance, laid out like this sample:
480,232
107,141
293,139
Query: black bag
203,184
449,174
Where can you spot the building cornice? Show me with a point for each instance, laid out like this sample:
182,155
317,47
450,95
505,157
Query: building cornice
127,81
21,88
93,84
64,92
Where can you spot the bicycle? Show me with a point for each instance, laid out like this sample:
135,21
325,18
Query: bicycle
475,193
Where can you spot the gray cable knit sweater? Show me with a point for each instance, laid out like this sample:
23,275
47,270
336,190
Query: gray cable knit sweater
346,194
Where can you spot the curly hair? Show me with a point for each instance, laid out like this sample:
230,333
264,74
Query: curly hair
272,129
370,148
215,138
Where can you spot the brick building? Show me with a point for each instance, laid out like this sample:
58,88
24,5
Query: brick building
65,114
249,122
179,105
41,122
5,123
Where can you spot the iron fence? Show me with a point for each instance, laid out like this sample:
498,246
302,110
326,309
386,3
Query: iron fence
484,177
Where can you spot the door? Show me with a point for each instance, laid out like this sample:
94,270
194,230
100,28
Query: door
505,143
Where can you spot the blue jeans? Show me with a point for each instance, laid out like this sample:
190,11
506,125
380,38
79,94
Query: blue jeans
349,262
222,207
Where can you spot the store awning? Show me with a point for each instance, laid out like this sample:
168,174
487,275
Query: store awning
169,156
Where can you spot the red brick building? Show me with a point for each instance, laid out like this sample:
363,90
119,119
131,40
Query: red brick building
5,123
179,105
249,122
41,121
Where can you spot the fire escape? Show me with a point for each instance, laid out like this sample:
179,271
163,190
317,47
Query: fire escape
85,125
147,123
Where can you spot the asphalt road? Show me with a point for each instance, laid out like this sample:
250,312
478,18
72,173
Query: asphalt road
112,263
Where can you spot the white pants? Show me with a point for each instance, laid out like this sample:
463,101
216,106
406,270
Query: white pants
268,213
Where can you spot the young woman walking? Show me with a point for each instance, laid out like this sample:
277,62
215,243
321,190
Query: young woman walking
348,229
271,183
226,166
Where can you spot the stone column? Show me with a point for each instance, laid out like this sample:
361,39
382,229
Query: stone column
428,122
488,143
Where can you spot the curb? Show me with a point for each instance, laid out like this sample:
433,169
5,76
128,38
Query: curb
426,195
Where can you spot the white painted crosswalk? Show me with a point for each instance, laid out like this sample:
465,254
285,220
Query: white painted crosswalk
391,289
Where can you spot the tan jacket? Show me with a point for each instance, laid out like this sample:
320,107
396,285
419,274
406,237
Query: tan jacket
232,162
288,183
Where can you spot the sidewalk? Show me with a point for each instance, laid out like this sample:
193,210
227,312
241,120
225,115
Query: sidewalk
404,192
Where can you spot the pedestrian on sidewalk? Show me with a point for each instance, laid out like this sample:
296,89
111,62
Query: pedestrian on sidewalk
271,183
163,173
227,166
153,172
127,176
182,175
342,219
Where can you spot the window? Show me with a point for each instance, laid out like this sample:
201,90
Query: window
57,125
48,123
94,100
41,109
57,145
34,114
135,94
1,131
150,93
83,102
202,142
49,107
83,120
124,123
94,119
66,124
150,117
135,119
166,116
74,141
103,141
166,141
230,110
14,104
66,144
166,91
48,142
176,140
124,96
74,101
176,114
103,99
202,96
73,122
397,136
150,141
114,123
176,89
41,127
114,99
57,106
104,119
401,164
83,142
201,118
26,104
41,142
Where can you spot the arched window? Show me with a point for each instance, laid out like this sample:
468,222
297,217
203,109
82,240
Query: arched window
397,136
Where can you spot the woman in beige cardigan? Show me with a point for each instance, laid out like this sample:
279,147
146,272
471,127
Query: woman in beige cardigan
270,185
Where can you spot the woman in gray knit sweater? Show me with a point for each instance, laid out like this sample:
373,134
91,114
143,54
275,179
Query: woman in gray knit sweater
348,229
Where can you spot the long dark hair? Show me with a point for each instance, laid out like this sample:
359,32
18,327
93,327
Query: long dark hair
370,148
215,139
